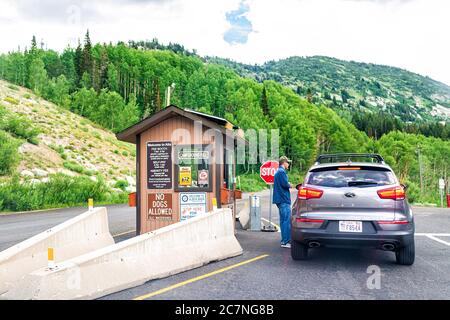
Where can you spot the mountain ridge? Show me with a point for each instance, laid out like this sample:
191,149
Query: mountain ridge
349,86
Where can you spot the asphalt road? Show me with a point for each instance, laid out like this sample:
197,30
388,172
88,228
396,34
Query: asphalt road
15,228
266,271
329,273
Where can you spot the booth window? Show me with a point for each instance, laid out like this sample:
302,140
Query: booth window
193,168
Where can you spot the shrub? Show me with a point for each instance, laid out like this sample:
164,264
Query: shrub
9,155
13,87
59,149
121,184
73,166
20,127
61,190
89,172
97,135
11,100
413,192
125,153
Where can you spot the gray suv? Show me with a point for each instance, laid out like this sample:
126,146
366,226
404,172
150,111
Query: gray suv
352,200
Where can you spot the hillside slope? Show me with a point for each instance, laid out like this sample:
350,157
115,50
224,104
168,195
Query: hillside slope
66,143
351,86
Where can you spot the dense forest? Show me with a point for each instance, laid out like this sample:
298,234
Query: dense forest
117,85
376,124
352,87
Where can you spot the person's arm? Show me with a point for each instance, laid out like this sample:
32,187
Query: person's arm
284,181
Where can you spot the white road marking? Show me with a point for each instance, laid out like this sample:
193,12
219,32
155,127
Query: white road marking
433,234
272,223
438,240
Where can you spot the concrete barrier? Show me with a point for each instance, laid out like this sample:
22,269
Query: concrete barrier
161,253
79,235
244,216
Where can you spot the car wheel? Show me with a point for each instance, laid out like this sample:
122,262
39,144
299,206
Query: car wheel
405,256
299,251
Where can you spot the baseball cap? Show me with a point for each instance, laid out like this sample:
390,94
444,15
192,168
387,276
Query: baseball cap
284,159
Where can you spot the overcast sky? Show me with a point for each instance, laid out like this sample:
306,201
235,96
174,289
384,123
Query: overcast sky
411,34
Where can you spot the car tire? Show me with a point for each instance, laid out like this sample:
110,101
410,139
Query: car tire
299,251
406,255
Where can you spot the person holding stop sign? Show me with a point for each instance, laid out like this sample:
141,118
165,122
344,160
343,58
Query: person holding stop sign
282,198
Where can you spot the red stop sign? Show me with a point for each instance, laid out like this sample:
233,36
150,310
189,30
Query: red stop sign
267,171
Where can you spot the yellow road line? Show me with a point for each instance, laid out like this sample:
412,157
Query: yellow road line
123,233
272,223
180,284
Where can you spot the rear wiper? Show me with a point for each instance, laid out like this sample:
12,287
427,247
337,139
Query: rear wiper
361,183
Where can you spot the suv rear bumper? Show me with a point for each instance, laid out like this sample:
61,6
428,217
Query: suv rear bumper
398,238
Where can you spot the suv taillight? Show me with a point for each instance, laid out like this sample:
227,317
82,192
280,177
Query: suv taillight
395,193
305,193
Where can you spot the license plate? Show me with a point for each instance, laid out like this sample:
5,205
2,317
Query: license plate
350,226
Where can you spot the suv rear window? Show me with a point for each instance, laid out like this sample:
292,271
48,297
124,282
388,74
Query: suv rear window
351,178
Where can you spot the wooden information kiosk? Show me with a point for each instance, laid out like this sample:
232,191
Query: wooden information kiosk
185,161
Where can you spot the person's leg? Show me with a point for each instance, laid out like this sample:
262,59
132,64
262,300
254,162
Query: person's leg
280,210
286,226
285,222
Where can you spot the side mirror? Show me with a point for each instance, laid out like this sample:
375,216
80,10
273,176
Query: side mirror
298,186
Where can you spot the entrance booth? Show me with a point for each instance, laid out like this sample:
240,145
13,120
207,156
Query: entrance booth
185,166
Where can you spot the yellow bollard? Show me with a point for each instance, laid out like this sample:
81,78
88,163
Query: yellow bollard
91,204
51,258
214,203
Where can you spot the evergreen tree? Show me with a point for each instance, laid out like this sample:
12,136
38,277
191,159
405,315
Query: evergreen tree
78,62
34,48
309,95
87,61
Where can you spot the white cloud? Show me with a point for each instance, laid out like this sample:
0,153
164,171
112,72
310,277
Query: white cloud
411,34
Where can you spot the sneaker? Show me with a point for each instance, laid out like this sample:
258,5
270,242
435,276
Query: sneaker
286,245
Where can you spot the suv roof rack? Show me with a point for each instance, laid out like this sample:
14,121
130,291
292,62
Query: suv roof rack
348,156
